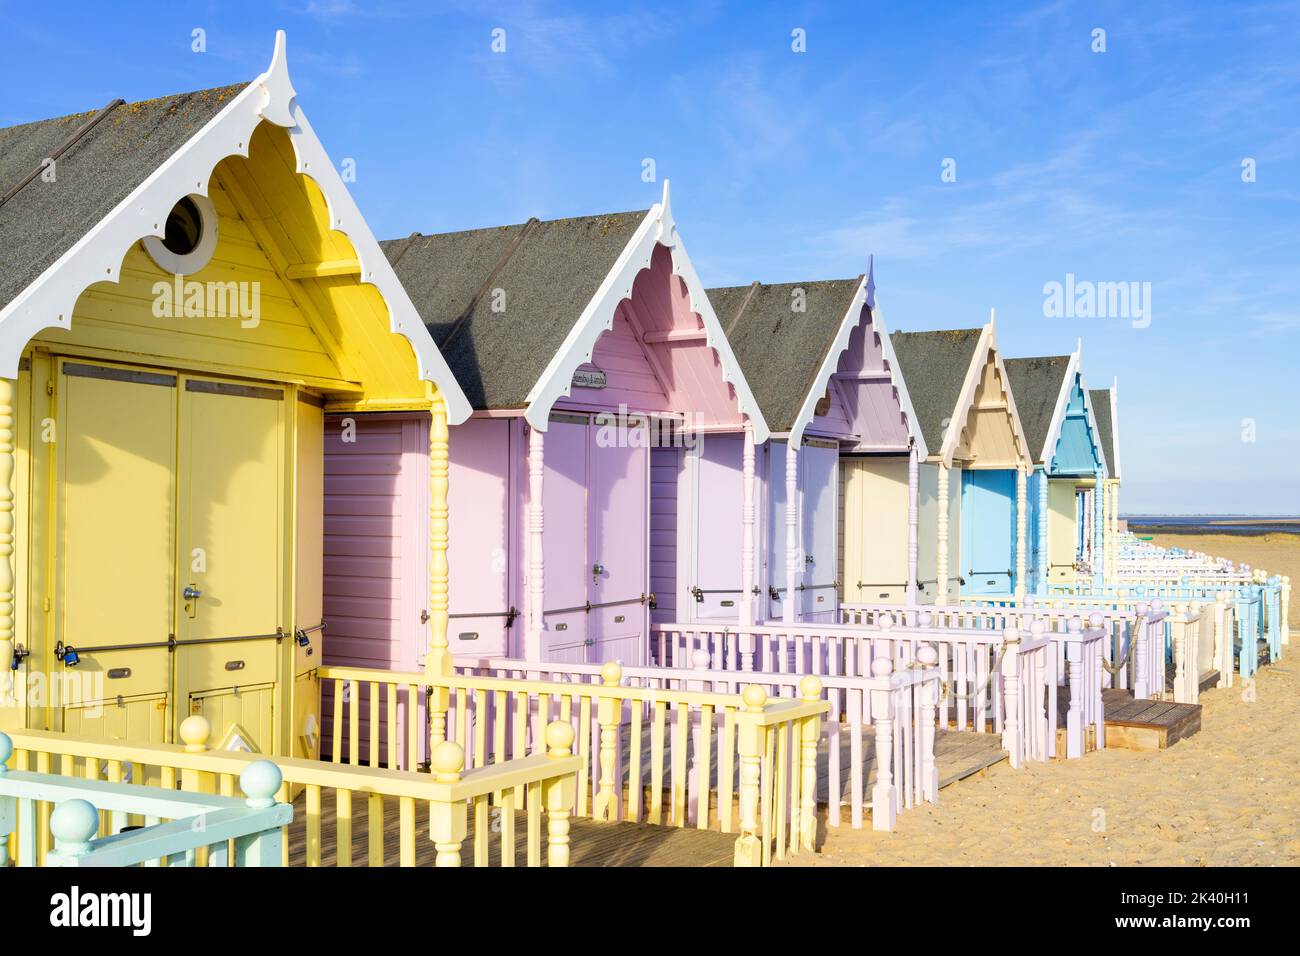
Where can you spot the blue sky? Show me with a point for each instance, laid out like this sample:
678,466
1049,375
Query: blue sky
1115,166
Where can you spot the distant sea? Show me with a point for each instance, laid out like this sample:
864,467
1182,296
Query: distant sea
1212,524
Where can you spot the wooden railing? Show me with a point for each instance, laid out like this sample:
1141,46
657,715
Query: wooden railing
636,745
971,664
179,828
546,780
903,737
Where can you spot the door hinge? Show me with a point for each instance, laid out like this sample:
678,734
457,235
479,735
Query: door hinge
46,605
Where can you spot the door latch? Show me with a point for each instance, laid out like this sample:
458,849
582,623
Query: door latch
596,571
191,595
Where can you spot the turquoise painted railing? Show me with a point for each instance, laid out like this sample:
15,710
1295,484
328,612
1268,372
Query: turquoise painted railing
181,828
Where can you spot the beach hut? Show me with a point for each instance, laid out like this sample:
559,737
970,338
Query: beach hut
967,414
187,289
820,367
581,344
1059,423
1105,404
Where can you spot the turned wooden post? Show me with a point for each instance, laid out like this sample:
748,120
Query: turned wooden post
560,794
810,688
1011,730
884,803
7,599
941,565
1044,563
1139,652
1178,628
793,557
609,713
1098,528
438,660
928,657
1021,522
447,819
749,510
1074,719
1286,609
749,744
913,520
536,578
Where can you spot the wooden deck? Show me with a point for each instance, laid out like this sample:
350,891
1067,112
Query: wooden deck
957,755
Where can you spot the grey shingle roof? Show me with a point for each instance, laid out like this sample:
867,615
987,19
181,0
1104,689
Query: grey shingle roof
1100,398
549,272
934,366
1036,385
779,349
43,220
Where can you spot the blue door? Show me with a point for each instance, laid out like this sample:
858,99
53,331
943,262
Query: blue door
988,531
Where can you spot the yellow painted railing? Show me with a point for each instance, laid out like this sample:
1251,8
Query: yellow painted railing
547,778
643,751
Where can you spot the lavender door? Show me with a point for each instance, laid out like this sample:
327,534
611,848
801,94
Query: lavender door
818,477
565,538
775,531
618,548
716,496
483,539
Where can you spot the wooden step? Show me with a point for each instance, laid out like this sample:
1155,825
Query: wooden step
1135,724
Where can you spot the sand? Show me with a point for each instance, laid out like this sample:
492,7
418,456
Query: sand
1229,796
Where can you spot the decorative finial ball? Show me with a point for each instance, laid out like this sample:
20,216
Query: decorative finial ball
881,667
74,822
1037,628
559,735
1157,605
811,687
195,731
754,697
447,758
6,748
1075,625
886,621
926,618
927,655
260,782
1143,608
1096,619
700,658
611,672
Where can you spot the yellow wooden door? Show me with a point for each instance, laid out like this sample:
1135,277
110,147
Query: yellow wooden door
231,558
114,560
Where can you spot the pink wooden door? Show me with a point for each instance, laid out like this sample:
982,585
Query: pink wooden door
818,474
565,539
718,500
483,539
618,523
376,537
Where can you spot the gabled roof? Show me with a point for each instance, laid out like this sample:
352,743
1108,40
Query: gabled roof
562,281
1038,384
950,365
1104,409
783,351
119,173
935,366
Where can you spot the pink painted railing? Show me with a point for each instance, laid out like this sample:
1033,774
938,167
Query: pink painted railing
974,666
900,705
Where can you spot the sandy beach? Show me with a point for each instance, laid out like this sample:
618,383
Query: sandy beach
1226,797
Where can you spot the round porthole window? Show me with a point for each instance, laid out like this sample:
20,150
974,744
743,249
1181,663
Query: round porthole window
189,237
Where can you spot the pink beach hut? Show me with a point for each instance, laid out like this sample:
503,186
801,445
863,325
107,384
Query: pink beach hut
580,343
757,530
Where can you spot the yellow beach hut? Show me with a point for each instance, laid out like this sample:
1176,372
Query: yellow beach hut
187,289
